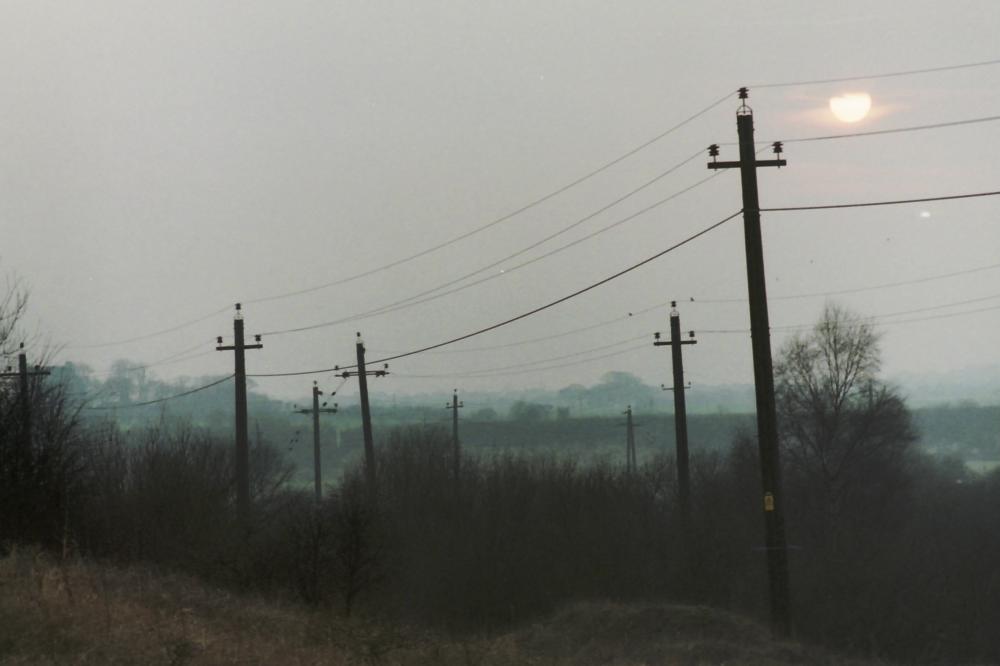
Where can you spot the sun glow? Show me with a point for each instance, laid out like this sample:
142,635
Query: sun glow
851,107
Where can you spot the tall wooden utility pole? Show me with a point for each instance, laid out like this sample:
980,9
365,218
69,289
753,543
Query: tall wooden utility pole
317,459
24,400
767,429
456,447
680,414
242,445
631,465
366,416
19,458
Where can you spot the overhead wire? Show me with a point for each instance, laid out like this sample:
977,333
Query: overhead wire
883,75
895,130
406,303
892,202
154,334
854,290
601,168
533,368
159,400
697,301
582,352
531,312
544,240
876,318
532,204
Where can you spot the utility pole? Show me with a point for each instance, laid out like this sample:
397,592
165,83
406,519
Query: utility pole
316,411
24,398
456,448
680,414
631,467
767,430
366,416
242,446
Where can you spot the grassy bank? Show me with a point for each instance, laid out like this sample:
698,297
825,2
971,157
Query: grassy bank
79,612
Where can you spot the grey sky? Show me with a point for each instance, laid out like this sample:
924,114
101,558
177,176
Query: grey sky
161,161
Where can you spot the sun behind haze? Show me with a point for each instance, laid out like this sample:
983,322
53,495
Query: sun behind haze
851,107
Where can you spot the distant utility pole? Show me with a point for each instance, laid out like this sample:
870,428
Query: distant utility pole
242,446
767,430
24,397
316,411
366,416
680,414
631,467
456,448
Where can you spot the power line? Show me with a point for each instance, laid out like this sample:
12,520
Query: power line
529,313
894,202
408,303
875,319
505,372
895,130
578,181
883,75
587,176
486,371
568,296
891,130
183,355
544,240
853,290
154,334
637,313
159,400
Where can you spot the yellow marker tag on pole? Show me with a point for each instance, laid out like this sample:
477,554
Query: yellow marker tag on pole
768,502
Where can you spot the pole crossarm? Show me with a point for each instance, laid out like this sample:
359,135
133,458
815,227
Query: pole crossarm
22,370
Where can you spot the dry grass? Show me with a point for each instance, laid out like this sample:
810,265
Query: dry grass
82,613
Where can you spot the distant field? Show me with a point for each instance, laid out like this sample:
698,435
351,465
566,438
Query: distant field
982,466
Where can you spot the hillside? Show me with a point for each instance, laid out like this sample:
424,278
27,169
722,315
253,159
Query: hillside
54,613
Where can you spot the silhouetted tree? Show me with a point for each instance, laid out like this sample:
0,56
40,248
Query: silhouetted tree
844,433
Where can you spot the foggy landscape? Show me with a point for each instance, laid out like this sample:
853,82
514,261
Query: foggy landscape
499,333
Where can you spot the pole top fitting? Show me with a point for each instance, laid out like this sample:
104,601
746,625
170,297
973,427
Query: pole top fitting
744,109
239,311
21,346
713,151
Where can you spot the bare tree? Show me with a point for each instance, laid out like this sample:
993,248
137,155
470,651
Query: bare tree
844,432
13,303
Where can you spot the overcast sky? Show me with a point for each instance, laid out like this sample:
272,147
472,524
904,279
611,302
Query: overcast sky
162,161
